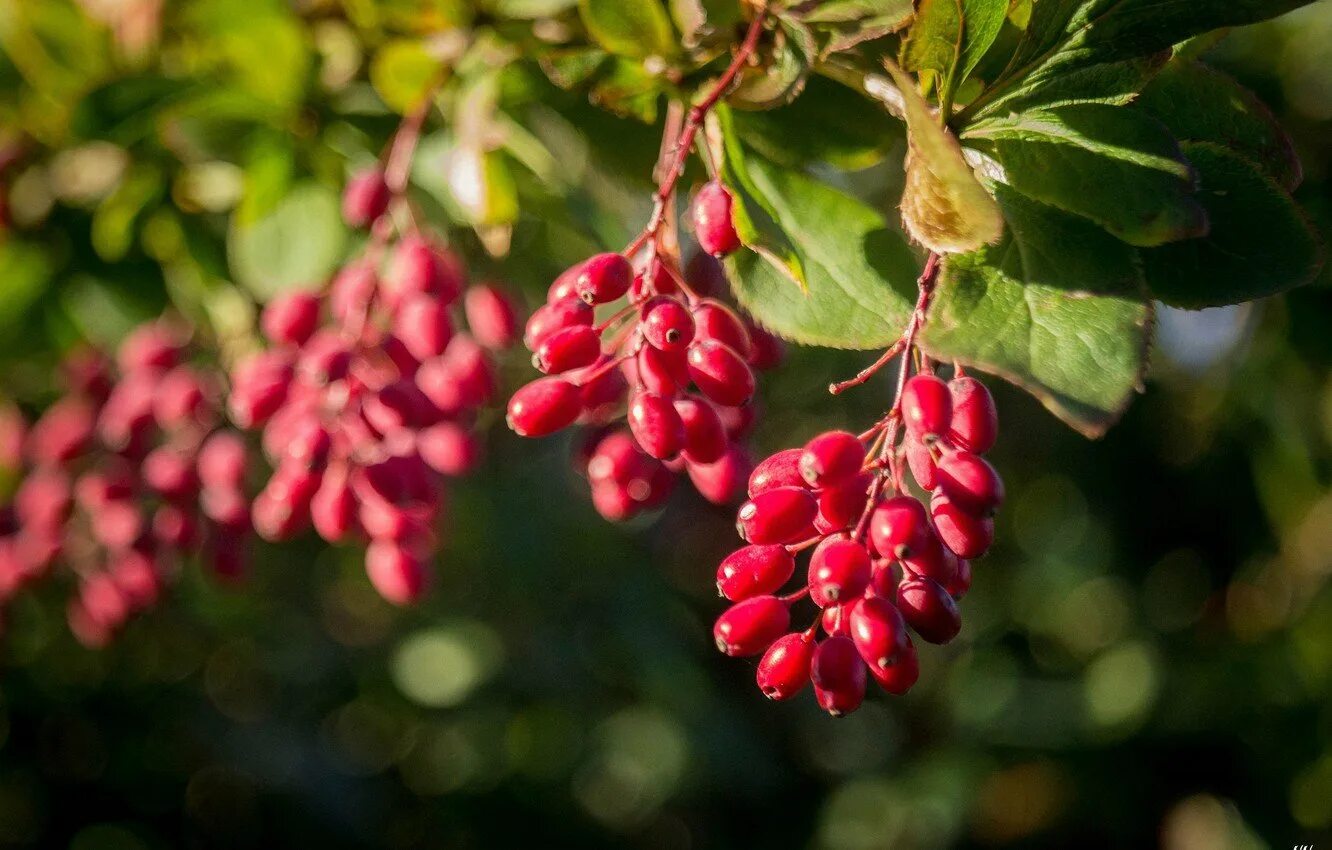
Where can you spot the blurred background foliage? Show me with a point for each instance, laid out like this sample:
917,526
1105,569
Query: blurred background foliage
1146,658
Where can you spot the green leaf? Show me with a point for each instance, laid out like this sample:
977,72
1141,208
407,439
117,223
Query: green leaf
781,77
402,72
861,274
26,271
1113,83
1201,104
949,37
634,28
850,11
1117,167
1057,308
1259,243
298,244
699,19
944,206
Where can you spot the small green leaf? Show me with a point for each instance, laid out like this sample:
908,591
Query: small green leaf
700,19
26,270
934,43
861,274
299,243
1201,104
402,72
850,11
781,77
633,28
1057,308
1259,243
944,206
1112,165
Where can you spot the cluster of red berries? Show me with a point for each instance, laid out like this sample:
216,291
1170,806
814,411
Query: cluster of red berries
882,561
113,474
367,397
664,333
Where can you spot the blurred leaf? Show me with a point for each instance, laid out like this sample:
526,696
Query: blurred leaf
698,19
1057,308
114,221
944,206
26,272
1259,242
531,9
859,273
848,11
299,243
572,68
781,75
1112,165
634,28
263,45
1201,104
402,72
827,123
627,88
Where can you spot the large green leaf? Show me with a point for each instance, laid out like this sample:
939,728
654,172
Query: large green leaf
298,244
861,275
1057,308
636,28
944,206
1201,104
1259,242
1117,167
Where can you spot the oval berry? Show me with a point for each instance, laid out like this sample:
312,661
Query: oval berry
899,527
832,458
655,425
898,677
556,316
920,460
754,571
749,627
603,278
714,320
704,436
839,570
491,316
779,515
966,534
927,406
839,676
975,422
423,325
396,572
365,198
784,669
878,631
722,482
781,469
713,226
543,407
971,482
720,373
576,347
929,610
667,324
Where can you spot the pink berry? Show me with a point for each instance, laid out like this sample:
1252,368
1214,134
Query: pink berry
291,318
221,460
667,324
259,386
878,631
151,346
175,528
714,320
841,507
603,278
929,610
784,669
777,470
182,400
704,437
171,473
839,570
720,373
656,425
722,482
333,507
921,462
448,448
966,534
491,316
351,291
750,626
779,515
398,574
659,371
572,348
927,406
975,422
712,220
899,527
63,432
970,482
365,198
423,325
832,458
754,571
556,316
543,407
839,676
961,583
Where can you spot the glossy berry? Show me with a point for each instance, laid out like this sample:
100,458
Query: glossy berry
704,435
543,407
832,458
365,198
929,610
667,324
927,406
754,571
720,373
920,460
571,348
877,629
722,482
899,527
781,469
966,534
714,320
603,278
970,482
656,425
749,627
975,422
841,507
839,570
713,225
784,669
554,317
839,676
898,677
779,515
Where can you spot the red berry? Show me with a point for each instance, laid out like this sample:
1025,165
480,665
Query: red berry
151,346
840,507
839,570
221,461
970,482
713,226
659,371
777,470
556,316
350,293
63,432
617,459
935,561
784,669
754,571
423,325
927,406
899,527
365,198
656,425
667,324
749,627
259,386
723,482
714,320
966,534
929,610
921,462
832,458
975,421
961,583
398,574
603,278
43,500
418,267
171,473
898,677
333,507
780,515
767,351
543,407
704,437
720,373
575,347
291,318
448,448
878,631
839,676
182,400
491,316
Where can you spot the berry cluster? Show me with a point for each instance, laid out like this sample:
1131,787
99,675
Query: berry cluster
115,473
881,560
639,363
367,396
